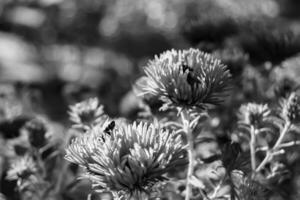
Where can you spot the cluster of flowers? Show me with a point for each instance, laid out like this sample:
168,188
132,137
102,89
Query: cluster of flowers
259,120
129,159
28,166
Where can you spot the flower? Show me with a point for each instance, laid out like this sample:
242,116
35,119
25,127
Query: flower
284,86
128,160
36,130
253,114
188,79
291,108
22,168
87,113
10,109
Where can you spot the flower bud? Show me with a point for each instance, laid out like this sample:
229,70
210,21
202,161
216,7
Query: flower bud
291,109
36,133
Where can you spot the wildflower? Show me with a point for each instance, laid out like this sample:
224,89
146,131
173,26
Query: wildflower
10,109
188,79
253,114
21,168
291,108
284,87
36,133
86,113
129,160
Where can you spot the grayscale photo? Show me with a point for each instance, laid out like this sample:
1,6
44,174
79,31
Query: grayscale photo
149,100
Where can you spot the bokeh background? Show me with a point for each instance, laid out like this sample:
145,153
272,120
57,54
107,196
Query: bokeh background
66,50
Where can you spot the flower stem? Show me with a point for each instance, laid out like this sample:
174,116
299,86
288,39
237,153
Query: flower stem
252,148
282,134
189,133
64,167
218,187
285,129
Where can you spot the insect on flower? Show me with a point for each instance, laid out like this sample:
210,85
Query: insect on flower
130,160
110,127
188,79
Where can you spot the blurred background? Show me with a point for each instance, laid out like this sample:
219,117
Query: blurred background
62,51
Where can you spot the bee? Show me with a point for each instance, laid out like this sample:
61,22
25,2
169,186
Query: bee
185,67
191,78
110,127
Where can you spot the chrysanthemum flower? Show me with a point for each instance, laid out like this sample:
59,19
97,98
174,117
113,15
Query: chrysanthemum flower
21,168
188,79
129,159
253,114
87,113
291,108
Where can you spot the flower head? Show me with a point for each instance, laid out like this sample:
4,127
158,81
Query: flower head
291,108
253,114
129,159
21,168
36,132
188,79
10,109
87,113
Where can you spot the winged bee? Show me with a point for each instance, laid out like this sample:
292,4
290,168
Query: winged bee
110,127
191,78
185,67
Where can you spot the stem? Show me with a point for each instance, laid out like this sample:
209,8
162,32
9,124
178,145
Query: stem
64,167
285,129
252,148
218,187
282,134
289,144
264,162
187,129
